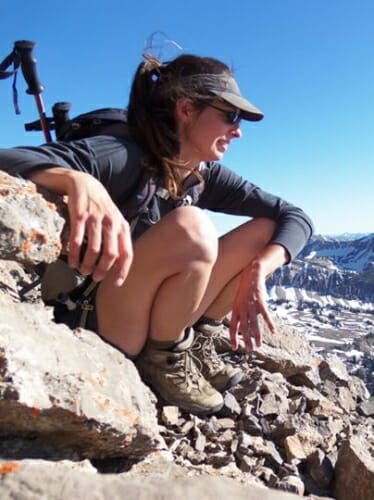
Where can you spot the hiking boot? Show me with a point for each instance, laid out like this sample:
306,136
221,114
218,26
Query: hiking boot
222,376
177,378
219,331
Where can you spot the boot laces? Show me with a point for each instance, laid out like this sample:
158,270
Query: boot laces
187,367
204,344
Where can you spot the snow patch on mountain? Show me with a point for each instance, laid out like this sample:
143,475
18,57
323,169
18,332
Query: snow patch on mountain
308,297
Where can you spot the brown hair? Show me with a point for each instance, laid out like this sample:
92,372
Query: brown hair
155,90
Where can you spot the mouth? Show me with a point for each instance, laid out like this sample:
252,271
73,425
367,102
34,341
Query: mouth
222,145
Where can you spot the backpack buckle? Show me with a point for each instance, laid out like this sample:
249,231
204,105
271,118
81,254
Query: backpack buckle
86,306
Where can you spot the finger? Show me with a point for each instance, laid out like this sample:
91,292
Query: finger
77,229
233,330
109,251
245,329
248,340
262,309
75,242
268,320
255,328
122,265
94,240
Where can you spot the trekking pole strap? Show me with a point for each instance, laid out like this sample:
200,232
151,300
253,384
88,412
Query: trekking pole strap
4,66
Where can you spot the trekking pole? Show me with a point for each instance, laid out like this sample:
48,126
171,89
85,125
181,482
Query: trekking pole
23,51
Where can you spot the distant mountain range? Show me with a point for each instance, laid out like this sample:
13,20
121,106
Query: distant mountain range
345,236
337,267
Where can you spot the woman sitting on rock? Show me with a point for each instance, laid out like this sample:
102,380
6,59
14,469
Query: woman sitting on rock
166,282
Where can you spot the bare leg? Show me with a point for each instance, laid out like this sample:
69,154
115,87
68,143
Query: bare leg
172,264
177,277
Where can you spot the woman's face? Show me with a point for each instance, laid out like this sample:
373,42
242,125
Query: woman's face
205,135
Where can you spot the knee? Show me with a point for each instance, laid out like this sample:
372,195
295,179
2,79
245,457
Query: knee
196,234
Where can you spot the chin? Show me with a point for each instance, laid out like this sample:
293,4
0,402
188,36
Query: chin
215,155
218,156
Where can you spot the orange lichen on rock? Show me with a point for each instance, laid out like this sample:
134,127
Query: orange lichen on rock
25,246
37,236
9,467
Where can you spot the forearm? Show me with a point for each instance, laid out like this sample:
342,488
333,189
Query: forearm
60,180
272,257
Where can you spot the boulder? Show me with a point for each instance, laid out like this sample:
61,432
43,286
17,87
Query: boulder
69,389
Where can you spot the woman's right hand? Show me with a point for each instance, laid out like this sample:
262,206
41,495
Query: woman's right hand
94,220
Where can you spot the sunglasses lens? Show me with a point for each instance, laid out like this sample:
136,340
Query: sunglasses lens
233,117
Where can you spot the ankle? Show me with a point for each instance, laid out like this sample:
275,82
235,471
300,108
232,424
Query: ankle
169,345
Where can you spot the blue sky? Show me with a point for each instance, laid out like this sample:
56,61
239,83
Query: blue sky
307,64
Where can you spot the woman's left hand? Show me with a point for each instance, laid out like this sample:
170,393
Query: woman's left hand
250,300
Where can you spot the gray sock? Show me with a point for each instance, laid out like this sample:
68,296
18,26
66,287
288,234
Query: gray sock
168,345
204,320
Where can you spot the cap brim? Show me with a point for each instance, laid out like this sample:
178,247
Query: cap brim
248,110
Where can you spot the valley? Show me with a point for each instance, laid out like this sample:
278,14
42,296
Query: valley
327,294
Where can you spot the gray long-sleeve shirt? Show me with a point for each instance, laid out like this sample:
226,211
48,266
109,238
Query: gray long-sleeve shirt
117,164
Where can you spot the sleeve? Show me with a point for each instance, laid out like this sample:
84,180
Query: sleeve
113,161
227,192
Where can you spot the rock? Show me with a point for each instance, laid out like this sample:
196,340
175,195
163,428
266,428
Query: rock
70,389
231,406
272,404
30,226
358,389
293,484
13,278
303,443
63,481
286,352
170,415
333,368
367,408
354,471
318,405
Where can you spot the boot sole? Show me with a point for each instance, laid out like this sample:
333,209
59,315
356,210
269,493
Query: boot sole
193,409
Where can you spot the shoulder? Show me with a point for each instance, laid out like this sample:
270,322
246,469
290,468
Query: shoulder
104,145
216,173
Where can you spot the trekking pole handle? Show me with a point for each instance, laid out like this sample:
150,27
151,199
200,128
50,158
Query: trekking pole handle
23,49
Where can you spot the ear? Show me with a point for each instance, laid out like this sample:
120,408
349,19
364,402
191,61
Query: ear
184,110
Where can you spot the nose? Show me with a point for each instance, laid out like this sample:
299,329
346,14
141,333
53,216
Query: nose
236,131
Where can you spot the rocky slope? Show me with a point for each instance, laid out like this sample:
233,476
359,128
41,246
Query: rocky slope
76,421
328,294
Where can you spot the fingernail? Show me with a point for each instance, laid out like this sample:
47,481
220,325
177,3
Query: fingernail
119,282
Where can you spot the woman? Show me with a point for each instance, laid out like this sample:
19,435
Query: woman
165,286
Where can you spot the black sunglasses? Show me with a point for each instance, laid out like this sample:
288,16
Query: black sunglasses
231,116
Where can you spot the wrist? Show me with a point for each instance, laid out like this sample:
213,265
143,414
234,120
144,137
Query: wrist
58,179
270,259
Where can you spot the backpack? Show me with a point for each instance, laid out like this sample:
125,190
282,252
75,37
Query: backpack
57,279
104,121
